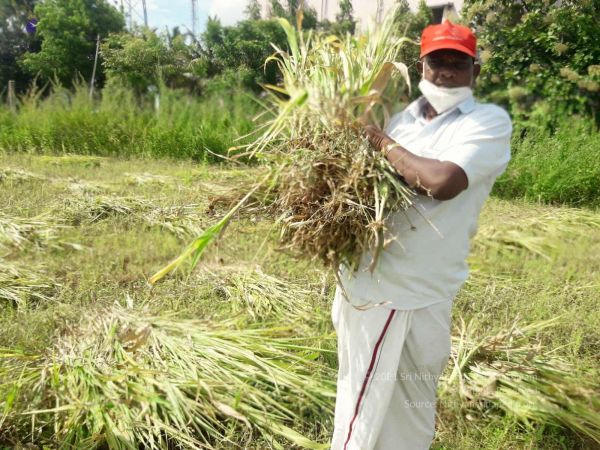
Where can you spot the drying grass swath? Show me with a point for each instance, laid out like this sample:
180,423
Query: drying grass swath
326,186
511,370
539,233
20,286
17,232
261,295
128,380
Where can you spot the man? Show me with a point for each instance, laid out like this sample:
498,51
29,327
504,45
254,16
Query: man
393,324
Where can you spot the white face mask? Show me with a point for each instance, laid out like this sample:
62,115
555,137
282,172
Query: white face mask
442,99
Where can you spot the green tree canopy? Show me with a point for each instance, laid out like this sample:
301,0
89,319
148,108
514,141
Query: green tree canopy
243,47
143,58
540,57
68,30
411,25
253,10
15,41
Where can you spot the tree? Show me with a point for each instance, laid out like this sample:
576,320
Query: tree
253,10
15,41
540,58
141,59
411,25
68,30
345,19
276,9
243,47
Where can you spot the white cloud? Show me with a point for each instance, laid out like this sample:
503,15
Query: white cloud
229,11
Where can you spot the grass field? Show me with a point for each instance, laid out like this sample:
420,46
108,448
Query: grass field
86,233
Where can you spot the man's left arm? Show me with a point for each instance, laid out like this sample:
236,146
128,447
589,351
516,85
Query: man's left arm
442,180
482,151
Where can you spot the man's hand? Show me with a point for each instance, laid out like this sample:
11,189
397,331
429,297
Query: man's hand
376,137
442,180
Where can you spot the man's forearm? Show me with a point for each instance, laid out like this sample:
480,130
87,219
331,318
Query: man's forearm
441,179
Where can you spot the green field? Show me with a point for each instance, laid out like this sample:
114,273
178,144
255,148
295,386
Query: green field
85,233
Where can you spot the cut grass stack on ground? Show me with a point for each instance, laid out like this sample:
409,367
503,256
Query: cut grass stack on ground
21,287
511,371
8,174
261,295
18,232
539,233
126,379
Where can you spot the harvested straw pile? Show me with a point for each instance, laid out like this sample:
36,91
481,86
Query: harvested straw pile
19,232
510,371
125,379
182,221
538,234
8,174
20,287
261,295
326,186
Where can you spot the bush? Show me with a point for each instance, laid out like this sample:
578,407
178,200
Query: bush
120,125
538,51
559,167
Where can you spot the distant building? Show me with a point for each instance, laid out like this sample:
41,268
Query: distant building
367,10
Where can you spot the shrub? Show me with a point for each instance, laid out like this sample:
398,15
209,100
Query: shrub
559,167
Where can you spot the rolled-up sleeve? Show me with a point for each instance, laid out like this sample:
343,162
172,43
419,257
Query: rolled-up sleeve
482,147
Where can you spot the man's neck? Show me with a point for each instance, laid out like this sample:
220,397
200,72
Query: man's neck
429,112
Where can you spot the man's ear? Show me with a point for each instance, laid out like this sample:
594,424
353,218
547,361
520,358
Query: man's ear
420,67
476,70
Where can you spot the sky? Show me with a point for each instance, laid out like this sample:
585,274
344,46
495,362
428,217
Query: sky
171,13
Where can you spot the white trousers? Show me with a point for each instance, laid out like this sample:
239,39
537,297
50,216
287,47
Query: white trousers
389,365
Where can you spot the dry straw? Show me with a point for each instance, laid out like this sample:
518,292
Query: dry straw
328,189
511,371
127,380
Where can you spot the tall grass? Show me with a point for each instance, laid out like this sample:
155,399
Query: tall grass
118,124
558,168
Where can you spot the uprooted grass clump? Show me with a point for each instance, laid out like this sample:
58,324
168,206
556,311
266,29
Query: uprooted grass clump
329,190
126,379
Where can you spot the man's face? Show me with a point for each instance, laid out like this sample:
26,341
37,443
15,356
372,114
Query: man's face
449,68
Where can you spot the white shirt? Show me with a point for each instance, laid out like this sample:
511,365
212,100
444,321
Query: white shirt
425,262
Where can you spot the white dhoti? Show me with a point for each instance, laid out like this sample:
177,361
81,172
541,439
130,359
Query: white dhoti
389,364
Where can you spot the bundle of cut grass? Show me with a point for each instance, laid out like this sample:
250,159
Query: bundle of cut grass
72,160
128,380
93,208
327,187
182,221
262,295
18,232
18,175
19,286
510,371
141,179
540,232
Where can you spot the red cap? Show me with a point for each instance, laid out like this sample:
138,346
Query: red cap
448,36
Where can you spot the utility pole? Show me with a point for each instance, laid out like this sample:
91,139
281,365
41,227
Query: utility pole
130,15
93,80
323,9
145,13
194,16
379,13
12,102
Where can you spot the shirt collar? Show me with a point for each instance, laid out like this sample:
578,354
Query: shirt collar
415,108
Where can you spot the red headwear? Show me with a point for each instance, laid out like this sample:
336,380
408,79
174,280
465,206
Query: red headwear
448,36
